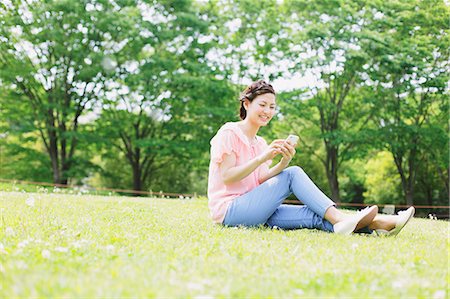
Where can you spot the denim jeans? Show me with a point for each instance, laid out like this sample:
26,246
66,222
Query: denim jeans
263,205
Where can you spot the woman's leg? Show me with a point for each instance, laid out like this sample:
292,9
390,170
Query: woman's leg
255,207
307,192
295,217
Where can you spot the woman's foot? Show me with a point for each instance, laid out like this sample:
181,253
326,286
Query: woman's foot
384,225
352,223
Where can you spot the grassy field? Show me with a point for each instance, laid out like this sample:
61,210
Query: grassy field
61,245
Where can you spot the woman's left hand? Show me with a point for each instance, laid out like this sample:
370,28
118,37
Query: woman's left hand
288,152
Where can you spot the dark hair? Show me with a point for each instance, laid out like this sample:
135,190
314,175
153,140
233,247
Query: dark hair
251,92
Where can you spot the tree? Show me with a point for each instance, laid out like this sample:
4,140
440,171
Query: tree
156,114
327,43
54,60
409,72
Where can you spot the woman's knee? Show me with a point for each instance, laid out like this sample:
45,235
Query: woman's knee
294,170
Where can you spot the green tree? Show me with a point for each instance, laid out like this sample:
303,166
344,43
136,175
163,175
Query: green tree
247,35
380,180
409,72
327,43
158,113
54,60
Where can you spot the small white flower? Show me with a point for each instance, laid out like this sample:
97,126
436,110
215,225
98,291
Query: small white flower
61,249
46,254
194,286
21,265
80,243
398,284
2,249
109,247
299,292
30,201
439,294
354,246
9,231
23,244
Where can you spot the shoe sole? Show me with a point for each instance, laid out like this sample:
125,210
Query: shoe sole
364,218
396,230
399,226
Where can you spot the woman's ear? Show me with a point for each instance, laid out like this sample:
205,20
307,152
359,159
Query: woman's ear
246,104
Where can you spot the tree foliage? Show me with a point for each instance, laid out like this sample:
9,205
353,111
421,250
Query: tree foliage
129,93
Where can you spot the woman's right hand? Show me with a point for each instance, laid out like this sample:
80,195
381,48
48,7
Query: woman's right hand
273,150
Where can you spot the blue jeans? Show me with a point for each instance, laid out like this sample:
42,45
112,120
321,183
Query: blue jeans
263,205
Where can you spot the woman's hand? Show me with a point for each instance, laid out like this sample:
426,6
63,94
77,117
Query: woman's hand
288,152
275,148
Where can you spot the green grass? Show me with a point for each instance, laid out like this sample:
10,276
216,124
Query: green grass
90,246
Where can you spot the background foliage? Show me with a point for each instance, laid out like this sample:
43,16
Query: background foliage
127,94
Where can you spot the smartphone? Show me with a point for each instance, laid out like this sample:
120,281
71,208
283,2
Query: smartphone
293,139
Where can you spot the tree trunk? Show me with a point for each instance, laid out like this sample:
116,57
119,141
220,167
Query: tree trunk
332,176
444,175
137,183
409,197
408,188
65,168
334,187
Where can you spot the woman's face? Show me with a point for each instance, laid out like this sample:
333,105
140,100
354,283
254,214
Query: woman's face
261,110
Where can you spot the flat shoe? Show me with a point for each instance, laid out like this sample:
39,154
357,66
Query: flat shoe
404,217
359,220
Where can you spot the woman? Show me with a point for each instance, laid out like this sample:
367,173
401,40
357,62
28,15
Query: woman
244,190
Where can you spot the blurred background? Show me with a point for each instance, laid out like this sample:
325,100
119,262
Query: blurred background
128,93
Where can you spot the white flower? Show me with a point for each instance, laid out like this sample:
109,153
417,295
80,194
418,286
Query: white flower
354,246
61,249
30,201
23,244
21,265
2,249
204,297
45,254
80,243
109,247
439,294
9,231
194,286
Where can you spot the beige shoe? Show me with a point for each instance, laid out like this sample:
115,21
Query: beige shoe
404,217
359,220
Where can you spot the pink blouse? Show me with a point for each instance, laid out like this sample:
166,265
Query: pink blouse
228,139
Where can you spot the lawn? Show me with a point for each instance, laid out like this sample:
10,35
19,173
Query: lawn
62,245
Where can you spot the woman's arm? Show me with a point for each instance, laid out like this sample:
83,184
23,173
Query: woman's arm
231,173
288,152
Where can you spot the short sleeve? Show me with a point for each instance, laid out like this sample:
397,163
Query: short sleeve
225,142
